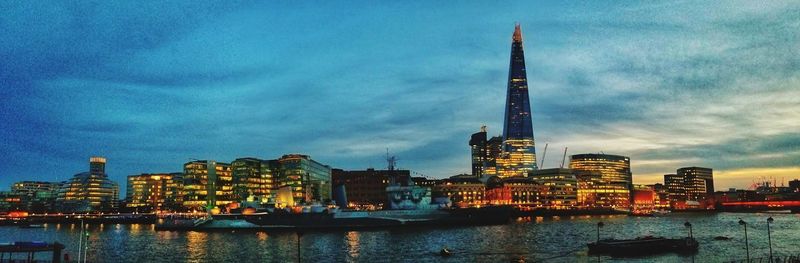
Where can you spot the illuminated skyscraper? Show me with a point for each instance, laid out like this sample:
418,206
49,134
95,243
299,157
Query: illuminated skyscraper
604,180
519,152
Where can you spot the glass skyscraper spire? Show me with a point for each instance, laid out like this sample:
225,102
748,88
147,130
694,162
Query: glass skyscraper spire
519,152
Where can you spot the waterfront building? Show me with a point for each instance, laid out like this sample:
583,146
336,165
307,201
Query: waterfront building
10,201
366,187
675,189
604,180
523,191
253,179
518,157
207,184
36,196
661,195
644,200
309,180
89,191
479,152
560,188
462,190
153,192
698,182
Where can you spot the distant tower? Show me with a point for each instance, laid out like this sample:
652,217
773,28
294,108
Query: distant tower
97,165
479,152
519,152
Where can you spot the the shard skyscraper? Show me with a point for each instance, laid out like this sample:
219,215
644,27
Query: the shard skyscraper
519,151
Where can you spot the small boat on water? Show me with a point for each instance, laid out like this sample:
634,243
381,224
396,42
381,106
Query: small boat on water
643,246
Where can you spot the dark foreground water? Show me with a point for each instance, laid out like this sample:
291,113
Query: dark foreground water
538,240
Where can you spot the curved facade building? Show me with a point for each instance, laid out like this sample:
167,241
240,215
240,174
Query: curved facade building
604,180
89,191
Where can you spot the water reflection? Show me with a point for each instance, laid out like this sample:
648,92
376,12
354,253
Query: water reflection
196,244
534,239
353,244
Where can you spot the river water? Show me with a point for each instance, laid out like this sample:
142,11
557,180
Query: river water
558,239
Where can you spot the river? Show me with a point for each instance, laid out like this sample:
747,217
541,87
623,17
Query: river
557,239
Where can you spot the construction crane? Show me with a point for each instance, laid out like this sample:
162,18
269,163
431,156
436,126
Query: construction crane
543,155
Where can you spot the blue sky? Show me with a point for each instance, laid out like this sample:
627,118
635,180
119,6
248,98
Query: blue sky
150,84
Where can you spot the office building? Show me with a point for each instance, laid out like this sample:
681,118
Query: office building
253,179
89,191
462,190
309,180
698,183
518,157
153,192
366,187
479,152
207,184
604,180
36,196
560,188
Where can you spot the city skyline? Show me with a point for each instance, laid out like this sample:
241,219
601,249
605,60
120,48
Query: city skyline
668,89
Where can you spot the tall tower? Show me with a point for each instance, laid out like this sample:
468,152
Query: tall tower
519,152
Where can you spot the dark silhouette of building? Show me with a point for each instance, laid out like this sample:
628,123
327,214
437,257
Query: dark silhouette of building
366,187
519,153
794,185
479,152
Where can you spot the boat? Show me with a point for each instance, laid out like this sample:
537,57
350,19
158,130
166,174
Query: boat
643,246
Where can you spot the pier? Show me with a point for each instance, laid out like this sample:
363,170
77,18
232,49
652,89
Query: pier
30,249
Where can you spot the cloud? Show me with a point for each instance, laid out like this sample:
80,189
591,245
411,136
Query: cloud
151,85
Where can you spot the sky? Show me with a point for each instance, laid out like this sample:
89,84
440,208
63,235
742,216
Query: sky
151,85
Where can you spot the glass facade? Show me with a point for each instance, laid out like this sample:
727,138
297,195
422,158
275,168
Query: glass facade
479,152
206,185
519,152
253,179
604,180
153,192
309,180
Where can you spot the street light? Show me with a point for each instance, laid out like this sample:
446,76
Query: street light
299,234
746,246
689,225
769,237
599,225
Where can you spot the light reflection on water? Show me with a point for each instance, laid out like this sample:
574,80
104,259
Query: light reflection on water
532,239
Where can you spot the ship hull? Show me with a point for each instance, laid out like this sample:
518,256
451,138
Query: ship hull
385,218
